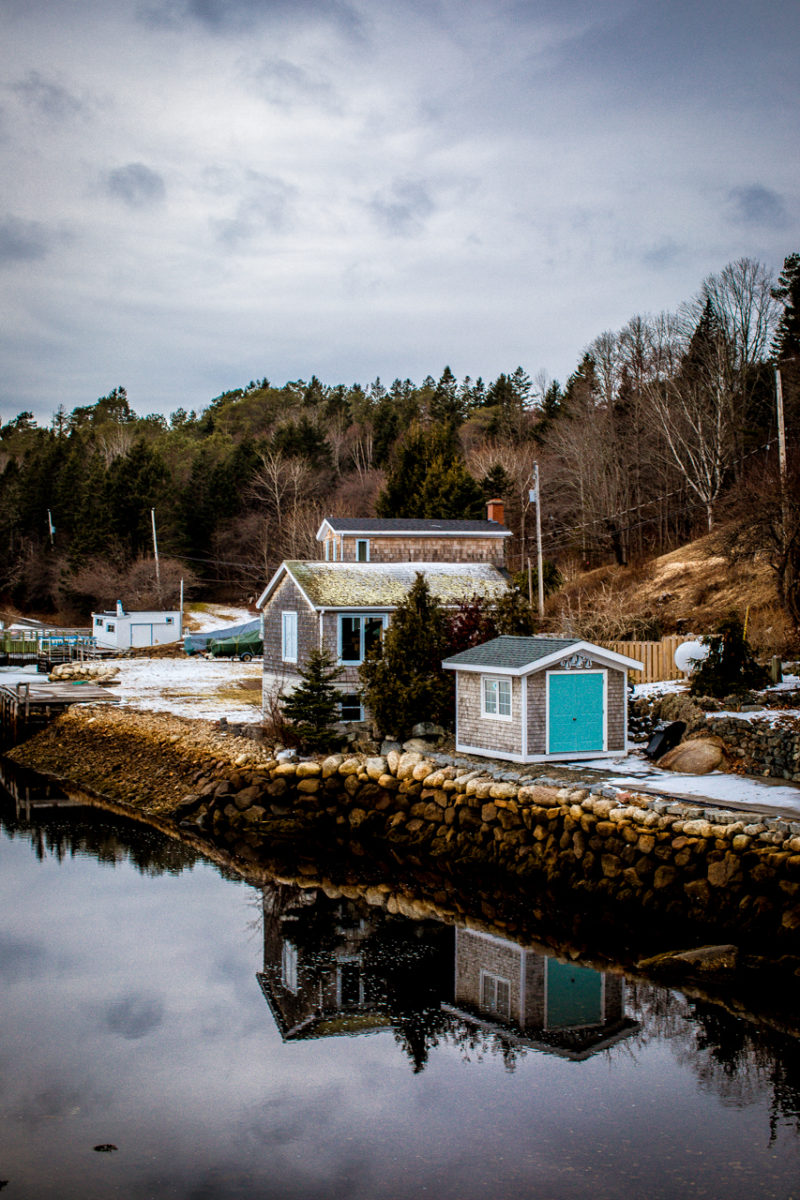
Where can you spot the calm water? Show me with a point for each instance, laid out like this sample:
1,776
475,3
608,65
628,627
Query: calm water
234,1042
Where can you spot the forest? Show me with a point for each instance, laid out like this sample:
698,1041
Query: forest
666,429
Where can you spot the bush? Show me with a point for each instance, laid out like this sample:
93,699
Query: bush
403,678
312,708
729,669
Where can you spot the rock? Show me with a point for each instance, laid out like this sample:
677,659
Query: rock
307,769
331,765
416,746
406,764
695,757
426,730
390,747
375,767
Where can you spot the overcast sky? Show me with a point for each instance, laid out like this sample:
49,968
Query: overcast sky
196,193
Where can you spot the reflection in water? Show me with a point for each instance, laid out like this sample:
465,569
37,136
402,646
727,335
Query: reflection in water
130,1017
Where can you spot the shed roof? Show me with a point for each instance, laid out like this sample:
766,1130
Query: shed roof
396,526
385,585
510,654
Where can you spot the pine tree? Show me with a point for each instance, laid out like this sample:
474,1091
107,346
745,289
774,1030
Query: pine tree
729,669
403,679
313,707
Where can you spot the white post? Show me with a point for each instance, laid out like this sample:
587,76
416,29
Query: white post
155,552
781,453
539,564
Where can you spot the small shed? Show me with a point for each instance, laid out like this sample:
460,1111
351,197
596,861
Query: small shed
120,630
535,699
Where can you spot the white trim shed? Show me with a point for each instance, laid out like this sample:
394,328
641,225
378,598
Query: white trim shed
539,699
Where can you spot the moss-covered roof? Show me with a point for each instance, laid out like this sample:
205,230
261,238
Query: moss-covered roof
385,585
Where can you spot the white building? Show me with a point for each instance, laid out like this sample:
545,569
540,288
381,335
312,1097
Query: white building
122,630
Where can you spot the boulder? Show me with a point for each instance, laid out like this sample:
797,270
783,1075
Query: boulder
698,756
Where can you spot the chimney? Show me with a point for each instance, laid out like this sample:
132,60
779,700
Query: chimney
495,511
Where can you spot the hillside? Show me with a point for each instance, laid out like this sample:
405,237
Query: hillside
688,590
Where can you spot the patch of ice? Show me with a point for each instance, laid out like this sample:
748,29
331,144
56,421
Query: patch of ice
772,716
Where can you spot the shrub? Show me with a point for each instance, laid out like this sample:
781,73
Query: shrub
313,707
729,669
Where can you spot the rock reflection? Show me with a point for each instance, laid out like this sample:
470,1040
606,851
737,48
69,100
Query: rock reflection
335,967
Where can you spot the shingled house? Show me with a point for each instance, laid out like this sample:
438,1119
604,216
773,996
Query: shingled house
344,607
377,539
344,602
530,699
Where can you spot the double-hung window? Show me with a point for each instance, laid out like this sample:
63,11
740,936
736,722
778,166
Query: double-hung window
358,635
289,636
496,697
495,994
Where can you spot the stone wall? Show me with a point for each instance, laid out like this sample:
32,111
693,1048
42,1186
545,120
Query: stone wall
649,858
766,747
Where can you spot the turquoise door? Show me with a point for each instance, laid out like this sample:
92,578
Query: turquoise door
574,996
576,712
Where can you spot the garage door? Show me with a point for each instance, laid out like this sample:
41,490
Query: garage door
575,716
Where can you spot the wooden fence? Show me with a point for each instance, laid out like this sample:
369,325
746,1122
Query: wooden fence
658,658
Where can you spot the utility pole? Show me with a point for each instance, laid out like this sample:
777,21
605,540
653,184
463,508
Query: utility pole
781,453
535,497
155,553
50,526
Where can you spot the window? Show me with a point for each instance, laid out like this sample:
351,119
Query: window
496,697
98,620
358,635
111,627
169,620
289,636
495,994
362,550
289,967
350,707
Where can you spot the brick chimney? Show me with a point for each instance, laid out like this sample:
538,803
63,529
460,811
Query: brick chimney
495,511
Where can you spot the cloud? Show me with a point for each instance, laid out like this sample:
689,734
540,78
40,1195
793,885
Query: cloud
284,83
22,241
402,211
757,205
264,207
20,959
134,1016
135,185
234,16
663,254
46,97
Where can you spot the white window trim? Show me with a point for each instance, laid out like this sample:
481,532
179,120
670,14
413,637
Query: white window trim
485,977
497,716
292,615
362,542
362,616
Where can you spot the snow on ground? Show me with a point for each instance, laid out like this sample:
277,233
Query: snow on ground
203,618
196,687
634,771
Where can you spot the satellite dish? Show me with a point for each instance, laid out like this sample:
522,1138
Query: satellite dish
688,655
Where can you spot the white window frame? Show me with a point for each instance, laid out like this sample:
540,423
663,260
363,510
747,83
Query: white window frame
289,960
493,713
288,623
362,617
362,542
493,983
360,716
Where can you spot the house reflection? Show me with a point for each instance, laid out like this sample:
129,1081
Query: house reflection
339,967
537,1000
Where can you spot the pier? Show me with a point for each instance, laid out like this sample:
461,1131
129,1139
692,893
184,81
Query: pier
25,707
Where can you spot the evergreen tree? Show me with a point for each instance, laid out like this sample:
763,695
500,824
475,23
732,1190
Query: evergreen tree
729,669
428,479
403,678
313,707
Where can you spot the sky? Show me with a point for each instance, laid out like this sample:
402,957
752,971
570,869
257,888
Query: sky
198,193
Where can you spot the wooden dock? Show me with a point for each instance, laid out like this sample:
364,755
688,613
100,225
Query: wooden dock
28,706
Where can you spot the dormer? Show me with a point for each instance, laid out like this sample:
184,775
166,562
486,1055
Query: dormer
406,539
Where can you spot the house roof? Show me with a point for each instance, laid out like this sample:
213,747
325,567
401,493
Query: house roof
512,655
376,585
399,526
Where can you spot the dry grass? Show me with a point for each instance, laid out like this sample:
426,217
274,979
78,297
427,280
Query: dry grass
688,591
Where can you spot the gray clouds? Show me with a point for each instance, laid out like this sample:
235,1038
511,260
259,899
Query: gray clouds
135,185
197,191
758,205
22,240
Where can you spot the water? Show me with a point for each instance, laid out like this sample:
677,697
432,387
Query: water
231,1041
